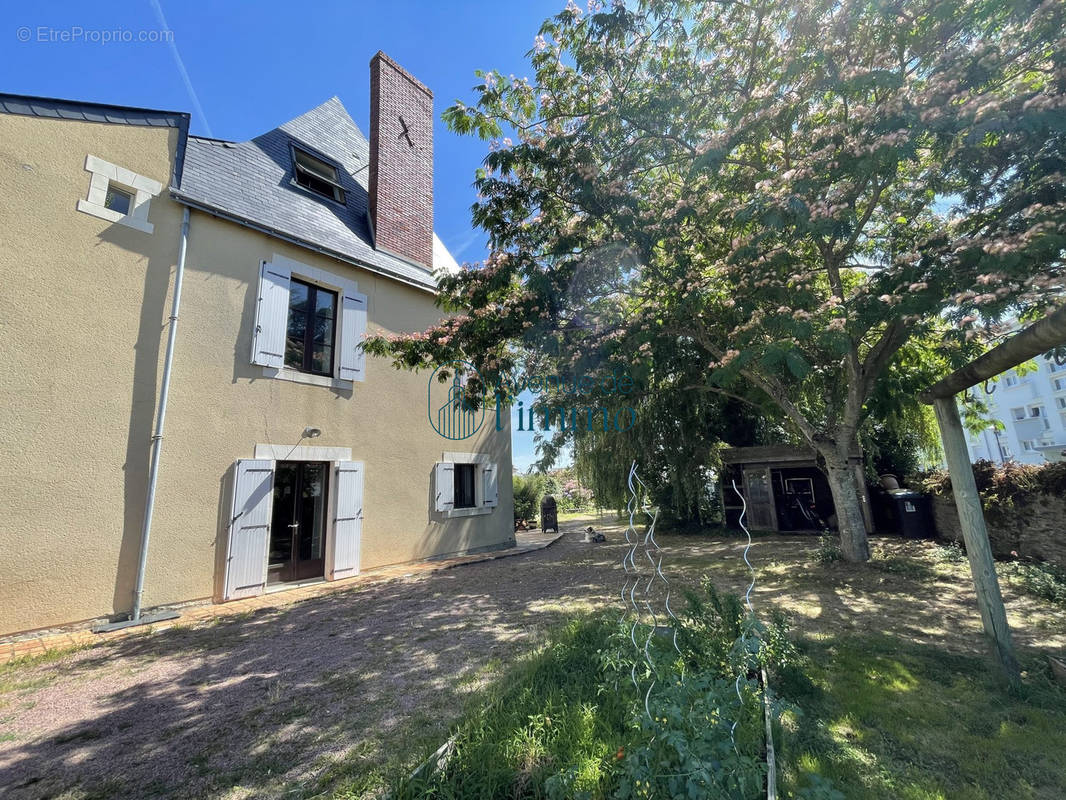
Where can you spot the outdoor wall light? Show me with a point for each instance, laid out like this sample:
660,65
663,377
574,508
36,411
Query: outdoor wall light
312,433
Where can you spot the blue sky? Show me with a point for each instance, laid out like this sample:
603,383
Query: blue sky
247,67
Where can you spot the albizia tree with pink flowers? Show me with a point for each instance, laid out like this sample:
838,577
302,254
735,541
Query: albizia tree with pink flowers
767,199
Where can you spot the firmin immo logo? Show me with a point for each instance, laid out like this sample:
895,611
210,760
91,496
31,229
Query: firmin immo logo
450,414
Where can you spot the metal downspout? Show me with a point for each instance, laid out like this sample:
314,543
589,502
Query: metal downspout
157,438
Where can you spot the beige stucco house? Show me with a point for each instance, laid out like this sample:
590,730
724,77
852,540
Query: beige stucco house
288,455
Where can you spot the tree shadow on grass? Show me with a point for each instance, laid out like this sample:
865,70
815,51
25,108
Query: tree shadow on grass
885,718
338,688
279,700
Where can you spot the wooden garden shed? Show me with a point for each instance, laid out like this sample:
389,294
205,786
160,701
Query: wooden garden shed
773,478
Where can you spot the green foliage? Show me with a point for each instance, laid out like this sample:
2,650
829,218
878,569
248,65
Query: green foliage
569,723
767,201
828,549
886,718
1004,487
1045,581
675,441
528,490
951,553
546,717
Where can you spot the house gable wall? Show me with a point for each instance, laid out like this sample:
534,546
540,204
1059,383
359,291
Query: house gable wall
84,306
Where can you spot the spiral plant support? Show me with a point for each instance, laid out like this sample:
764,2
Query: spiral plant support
643,570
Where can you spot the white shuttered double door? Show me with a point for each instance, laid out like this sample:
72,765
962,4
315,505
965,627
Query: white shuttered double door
248,531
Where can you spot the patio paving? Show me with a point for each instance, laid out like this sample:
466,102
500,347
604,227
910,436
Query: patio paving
37,643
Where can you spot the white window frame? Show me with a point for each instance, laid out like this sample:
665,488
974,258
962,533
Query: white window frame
481,460
334,283
1010,381
139,187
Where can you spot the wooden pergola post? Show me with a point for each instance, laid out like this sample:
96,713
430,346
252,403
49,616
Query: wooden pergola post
1040,337
975,534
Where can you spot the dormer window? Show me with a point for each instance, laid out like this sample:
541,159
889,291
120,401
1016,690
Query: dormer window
316,175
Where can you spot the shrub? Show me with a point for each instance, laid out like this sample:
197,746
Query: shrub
951,553
1041,580
528,489
1004,486
828,549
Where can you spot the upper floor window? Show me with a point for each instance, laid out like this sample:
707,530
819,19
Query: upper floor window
1060,384
1011,380
316,175
309,324
309,334
1040,411
118,200
1055,366
118,194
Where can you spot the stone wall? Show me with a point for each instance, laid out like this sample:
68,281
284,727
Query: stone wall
1034,529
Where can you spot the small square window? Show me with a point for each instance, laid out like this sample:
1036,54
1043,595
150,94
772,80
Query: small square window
118,200
316,175
464,485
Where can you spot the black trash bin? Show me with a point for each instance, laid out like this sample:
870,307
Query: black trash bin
911,513
549,514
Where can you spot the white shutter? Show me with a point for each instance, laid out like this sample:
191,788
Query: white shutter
490,486
249,528
444,480
271,316
342,552
353,326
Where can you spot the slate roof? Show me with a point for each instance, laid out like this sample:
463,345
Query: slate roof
251,182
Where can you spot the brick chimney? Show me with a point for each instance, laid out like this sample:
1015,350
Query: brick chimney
401,162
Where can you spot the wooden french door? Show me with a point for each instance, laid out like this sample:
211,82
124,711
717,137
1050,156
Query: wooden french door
298,527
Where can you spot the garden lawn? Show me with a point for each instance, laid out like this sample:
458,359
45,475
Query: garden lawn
884,718
909,709
336,695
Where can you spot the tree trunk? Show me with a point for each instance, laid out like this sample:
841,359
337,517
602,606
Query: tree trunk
841,477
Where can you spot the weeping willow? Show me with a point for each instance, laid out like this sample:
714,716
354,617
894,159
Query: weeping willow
675,440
